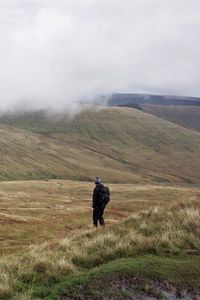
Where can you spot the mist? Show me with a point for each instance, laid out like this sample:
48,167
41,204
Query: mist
55,54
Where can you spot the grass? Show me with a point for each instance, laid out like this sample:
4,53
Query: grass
152,232
122,144
152,243
36,211
140,272
186,116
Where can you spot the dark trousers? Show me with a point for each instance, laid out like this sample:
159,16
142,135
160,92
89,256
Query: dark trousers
98,216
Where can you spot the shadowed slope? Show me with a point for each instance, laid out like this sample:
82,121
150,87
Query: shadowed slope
186,116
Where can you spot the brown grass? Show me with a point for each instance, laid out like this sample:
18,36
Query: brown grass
36,211
172,229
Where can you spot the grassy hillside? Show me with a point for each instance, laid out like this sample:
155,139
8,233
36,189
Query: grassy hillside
119,144
35,211
146,253
186,116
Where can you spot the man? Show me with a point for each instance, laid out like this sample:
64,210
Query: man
101,197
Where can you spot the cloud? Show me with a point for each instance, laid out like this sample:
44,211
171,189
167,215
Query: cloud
54,53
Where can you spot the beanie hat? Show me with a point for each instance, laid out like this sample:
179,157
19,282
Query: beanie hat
97,180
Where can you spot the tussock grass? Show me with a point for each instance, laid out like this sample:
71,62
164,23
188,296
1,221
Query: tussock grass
52,208
5,284
24,296
160,231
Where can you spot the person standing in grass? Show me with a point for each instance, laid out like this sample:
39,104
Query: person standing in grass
101,197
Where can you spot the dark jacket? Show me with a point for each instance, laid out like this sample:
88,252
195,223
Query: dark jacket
97,195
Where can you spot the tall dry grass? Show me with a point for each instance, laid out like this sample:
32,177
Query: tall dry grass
157,231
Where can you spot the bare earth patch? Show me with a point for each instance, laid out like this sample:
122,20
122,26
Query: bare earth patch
135,288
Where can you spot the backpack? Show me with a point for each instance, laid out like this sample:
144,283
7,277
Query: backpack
105,195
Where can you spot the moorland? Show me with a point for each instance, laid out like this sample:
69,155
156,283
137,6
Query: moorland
49,249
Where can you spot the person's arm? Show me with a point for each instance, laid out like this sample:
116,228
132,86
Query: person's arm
94,198
108,191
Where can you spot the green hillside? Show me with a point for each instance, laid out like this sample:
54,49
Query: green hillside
186,116
120,144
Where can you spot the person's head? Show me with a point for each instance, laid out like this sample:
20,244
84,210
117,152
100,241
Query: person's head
97,180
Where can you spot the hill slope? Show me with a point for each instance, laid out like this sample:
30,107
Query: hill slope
120,144
184,111
186,116
125,98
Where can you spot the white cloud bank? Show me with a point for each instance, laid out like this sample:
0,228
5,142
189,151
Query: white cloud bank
52,53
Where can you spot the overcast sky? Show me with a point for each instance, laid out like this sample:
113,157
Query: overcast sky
56,52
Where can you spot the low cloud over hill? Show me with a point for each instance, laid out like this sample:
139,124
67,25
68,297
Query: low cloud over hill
122,144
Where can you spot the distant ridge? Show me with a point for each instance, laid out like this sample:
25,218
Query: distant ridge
184,111
140,99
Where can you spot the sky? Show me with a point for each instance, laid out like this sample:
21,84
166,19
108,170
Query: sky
54,53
